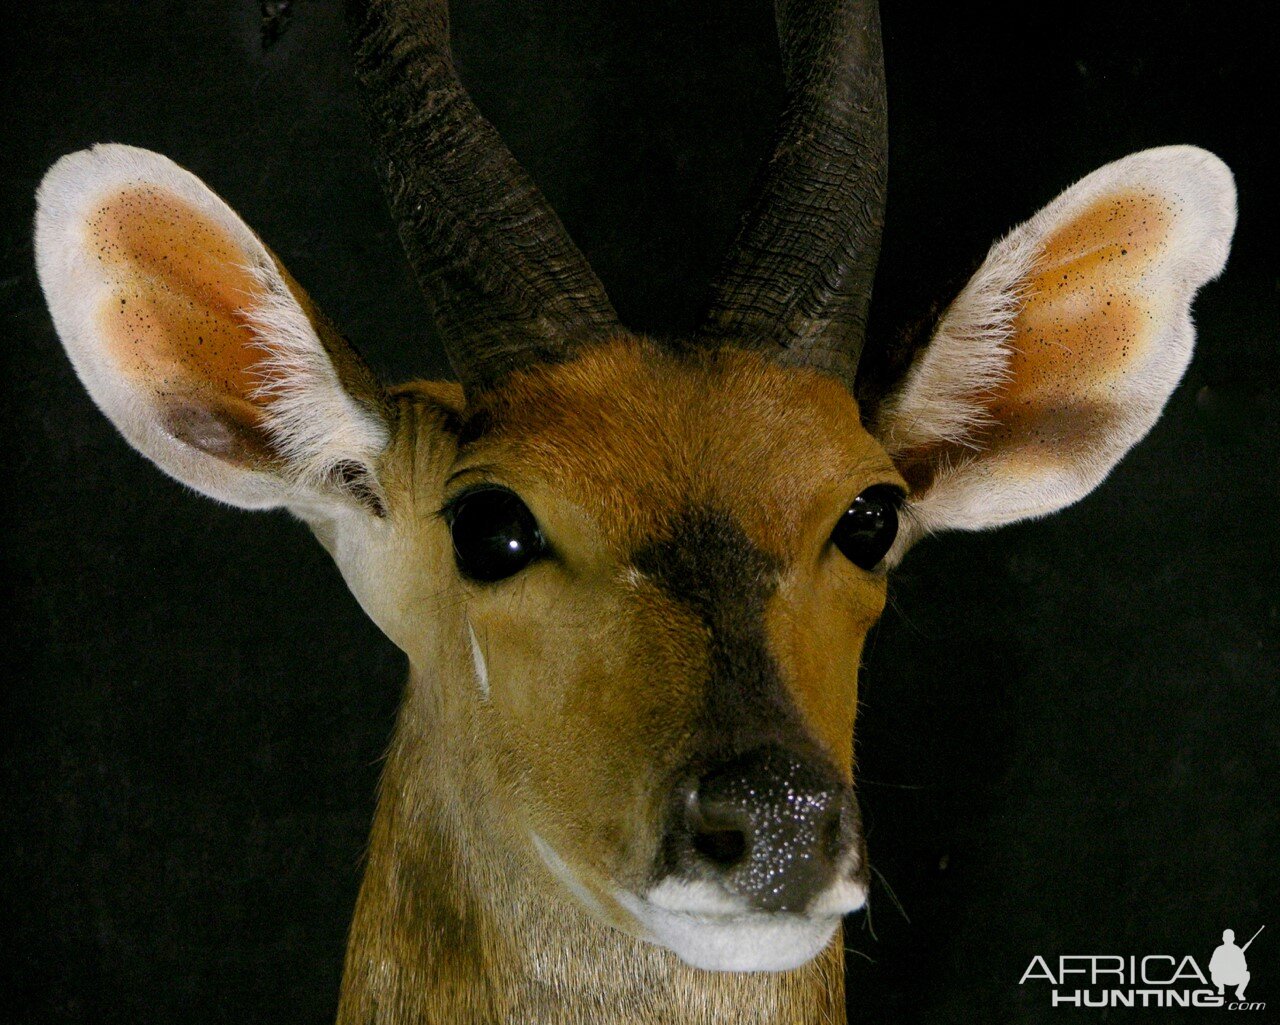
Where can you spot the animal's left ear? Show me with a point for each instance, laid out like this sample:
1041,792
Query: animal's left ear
1060,353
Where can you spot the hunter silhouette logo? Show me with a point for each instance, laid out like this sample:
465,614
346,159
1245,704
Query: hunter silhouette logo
1228,967
1156,980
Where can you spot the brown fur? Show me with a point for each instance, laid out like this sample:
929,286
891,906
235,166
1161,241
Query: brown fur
597,679
496,804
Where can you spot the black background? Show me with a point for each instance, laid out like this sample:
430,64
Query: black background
1068,739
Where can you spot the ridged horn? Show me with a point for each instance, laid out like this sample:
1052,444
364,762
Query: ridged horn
797,279
508,286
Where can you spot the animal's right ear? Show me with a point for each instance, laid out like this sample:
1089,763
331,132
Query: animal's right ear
196,343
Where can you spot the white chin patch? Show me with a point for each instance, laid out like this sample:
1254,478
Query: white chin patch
708,928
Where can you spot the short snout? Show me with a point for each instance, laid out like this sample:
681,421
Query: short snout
772,827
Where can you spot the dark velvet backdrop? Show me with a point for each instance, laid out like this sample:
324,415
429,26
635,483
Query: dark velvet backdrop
1068,740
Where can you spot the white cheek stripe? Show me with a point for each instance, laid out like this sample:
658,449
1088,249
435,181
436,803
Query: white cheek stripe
477,659
564,873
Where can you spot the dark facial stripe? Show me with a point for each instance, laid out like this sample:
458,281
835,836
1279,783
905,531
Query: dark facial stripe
709,565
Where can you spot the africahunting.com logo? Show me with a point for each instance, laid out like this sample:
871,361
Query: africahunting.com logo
1157,980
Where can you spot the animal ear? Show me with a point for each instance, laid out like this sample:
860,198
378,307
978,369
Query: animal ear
196,343
1059,354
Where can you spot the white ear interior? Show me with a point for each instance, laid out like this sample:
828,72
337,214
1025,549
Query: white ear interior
1062,350
309,421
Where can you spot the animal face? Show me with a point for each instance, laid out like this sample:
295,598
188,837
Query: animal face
668,565
633,579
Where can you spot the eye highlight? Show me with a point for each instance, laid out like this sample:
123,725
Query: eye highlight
867,530
494,534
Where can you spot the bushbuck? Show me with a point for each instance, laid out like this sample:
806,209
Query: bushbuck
632,576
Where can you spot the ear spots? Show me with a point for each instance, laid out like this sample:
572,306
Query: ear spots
1084,318
1068,345
195,342
1039,438
1061,351
1113,228
174,315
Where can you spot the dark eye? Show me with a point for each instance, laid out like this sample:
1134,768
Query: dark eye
494,534
866,531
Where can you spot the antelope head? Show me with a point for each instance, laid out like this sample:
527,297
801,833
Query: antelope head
633,577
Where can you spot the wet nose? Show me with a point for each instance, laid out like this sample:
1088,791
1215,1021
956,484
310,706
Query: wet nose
771,826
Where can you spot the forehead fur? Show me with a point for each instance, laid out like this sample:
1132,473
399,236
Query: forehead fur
636,435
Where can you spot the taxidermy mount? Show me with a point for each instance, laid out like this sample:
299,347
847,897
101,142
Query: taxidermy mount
632,577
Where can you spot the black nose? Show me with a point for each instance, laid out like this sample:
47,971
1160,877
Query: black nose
770,825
